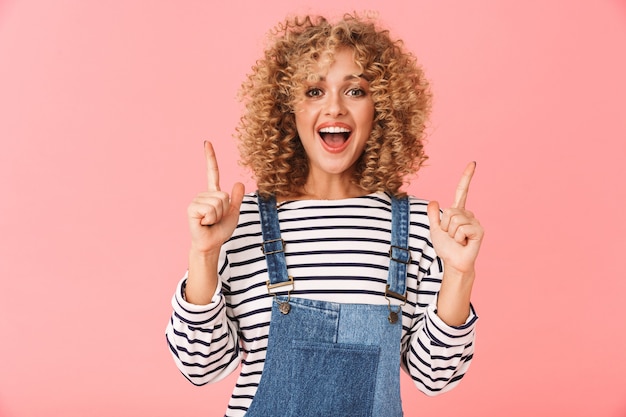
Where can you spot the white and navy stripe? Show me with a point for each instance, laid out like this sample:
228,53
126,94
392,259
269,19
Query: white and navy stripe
336,250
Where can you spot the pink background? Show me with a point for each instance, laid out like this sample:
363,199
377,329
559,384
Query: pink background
103,110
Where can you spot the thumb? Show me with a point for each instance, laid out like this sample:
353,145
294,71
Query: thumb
433,214
236,196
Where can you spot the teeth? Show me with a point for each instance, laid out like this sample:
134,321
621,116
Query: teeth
334,129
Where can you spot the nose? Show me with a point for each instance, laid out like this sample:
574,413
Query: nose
335,105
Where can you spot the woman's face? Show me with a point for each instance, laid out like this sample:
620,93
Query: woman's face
334,118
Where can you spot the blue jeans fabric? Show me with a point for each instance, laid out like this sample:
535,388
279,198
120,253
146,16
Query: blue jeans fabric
331,359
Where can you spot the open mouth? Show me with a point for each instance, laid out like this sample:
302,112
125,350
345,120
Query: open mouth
334,136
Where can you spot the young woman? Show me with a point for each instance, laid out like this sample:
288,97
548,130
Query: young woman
328,279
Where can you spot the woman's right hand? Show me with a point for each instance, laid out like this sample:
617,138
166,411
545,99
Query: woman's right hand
213,214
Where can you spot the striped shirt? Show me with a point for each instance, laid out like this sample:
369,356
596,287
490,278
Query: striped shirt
338,251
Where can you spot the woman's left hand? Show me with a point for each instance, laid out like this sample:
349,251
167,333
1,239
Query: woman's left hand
457,234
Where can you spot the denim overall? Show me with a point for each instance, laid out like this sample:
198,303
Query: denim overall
331,359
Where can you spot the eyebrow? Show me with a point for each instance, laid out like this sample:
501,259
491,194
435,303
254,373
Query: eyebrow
347,77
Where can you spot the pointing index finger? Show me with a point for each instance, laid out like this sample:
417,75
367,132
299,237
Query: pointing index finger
213,173
460,197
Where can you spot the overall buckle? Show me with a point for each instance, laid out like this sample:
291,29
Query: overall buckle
283,306
393,315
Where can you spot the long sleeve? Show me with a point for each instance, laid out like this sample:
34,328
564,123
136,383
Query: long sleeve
202,341
437,355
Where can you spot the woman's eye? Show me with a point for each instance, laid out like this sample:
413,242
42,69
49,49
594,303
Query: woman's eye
313,92
356,92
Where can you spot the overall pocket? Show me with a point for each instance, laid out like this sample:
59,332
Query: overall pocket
332,379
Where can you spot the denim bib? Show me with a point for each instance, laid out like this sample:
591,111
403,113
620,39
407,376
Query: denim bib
331,359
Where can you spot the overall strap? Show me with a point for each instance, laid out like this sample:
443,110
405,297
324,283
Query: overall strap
273,245
399,253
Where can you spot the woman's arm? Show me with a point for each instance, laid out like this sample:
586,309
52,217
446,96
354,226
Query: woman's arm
435,354
203,342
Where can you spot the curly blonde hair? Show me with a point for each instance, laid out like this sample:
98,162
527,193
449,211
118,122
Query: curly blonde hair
268,139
